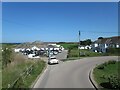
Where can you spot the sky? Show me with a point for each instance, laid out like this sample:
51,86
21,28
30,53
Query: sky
58,21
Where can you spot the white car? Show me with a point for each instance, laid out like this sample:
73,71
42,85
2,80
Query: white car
33,56
53,60
55,52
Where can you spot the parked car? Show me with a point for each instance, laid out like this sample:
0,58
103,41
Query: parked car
55,53
59,51
53,60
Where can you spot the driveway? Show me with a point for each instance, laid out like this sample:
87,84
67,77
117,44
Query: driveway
70,74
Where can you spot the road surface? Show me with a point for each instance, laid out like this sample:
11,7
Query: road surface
62,55
70,74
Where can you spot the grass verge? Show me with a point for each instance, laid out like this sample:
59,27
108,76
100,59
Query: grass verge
38,67
83,53
106,75
11,73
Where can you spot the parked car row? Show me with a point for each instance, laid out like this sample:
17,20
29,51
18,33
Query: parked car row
36,53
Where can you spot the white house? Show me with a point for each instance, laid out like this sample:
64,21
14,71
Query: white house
101,45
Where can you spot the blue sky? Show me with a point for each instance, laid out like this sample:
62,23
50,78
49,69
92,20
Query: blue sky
55,21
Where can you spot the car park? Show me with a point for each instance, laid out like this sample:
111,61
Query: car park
55,53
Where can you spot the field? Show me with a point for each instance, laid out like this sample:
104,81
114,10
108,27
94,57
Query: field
69,45
106,75
83,53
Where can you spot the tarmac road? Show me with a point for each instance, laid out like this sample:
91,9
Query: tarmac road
62,55
70,74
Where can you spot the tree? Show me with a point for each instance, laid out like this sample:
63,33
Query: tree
100,38
7,56
86,42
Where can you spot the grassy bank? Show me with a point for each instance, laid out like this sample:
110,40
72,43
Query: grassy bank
106,75
17,67
11,73
38,68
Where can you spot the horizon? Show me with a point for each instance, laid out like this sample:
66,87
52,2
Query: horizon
53,42
58,21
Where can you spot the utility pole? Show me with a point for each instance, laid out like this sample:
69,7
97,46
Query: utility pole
79,44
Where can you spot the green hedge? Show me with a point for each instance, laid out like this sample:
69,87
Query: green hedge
114,51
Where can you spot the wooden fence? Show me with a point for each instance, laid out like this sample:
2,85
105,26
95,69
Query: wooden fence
22,76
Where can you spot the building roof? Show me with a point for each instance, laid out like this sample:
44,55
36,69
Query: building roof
109,40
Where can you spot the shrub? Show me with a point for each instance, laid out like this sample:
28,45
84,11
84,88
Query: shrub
111,62
7,56
101,66
114,81
114,51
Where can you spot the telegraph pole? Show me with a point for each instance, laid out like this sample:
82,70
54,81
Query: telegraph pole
79,44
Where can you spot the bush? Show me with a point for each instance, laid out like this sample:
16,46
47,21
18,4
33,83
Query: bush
101,66
114,81
114,51
111,62
7,56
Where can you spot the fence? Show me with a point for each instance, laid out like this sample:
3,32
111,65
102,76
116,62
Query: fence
22,76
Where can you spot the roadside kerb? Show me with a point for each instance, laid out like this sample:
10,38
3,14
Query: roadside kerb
33,84
91,78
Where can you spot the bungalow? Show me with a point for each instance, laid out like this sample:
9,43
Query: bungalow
101,45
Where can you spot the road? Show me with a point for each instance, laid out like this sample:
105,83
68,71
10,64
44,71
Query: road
70,74
62,55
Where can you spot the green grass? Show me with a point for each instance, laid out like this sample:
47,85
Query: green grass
12,72
83,53
101,75
67,46
38,68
